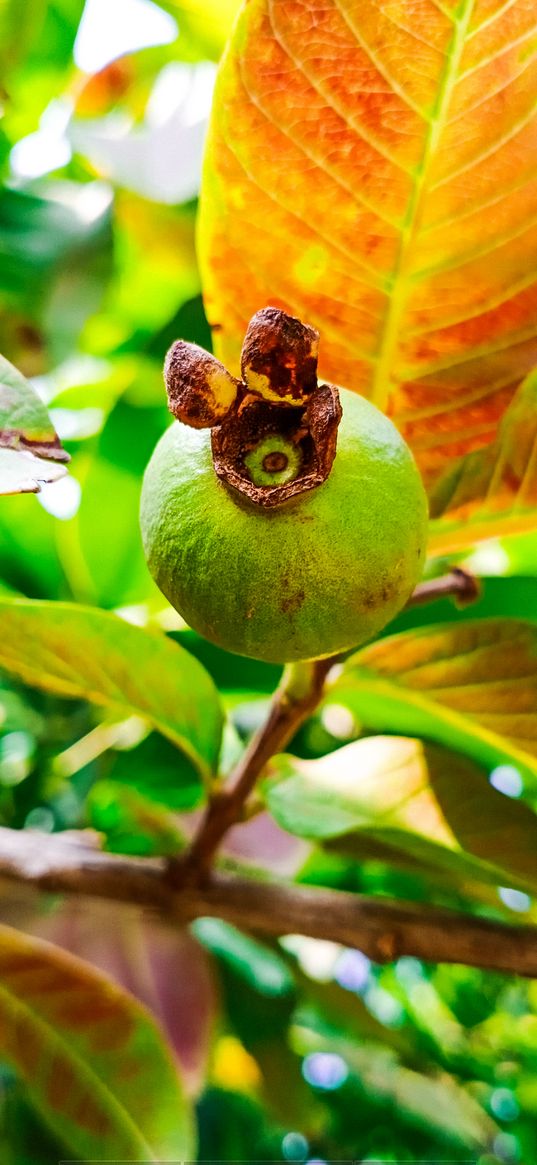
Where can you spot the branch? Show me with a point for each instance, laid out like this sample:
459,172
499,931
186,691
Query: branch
458,584
296,698
383,929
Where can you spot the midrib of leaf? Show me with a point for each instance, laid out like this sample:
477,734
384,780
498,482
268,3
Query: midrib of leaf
95,1084
401,277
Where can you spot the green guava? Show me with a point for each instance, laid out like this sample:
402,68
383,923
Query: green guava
319,574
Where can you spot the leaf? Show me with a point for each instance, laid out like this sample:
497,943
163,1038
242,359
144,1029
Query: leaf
436,1103
370,167
492,492
16,36
418,799
94,655
171,974
22,473
204,25
469,686
25,430
256,964
93,1060
157,771
24,421
55,255
131,822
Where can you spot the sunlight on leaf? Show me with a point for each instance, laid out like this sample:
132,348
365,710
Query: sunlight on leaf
416,798
94,655
22,473
94,1062
371,168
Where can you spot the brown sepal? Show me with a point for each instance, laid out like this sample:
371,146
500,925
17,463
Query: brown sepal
284,350
314,427
191,398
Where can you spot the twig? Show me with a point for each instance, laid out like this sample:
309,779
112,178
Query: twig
383,929
458,584
296,698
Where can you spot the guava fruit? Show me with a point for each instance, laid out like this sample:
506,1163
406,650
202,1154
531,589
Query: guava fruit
289,576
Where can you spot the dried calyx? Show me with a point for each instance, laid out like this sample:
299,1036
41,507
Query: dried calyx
274,432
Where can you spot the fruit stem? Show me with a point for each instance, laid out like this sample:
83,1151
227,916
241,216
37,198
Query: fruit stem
299,693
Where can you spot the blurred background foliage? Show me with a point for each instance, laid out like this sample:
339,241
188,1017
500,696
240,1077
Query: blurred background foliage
304,1051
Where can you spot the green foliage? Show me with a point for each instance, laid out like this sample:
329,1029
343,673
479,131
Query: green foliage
119,730
77,651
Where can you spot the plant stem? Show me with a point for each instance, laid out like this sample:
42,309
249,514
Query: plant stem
294,700
458,584
380,927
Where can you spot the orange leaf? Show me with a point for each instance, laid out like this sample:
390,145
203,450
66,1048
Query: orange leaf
371,168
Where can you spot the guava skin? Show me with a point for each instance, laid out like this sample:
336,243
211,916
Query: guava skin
317,575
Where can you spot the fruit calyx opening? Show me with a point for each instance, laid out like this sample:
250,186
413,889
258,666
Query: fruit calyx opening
274,432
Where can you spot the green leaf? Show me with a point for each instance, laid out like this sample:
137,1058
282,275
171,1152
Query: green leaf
36,58
94,655
436,1103
15,35
131,822
260,967
55,254
492,492
469,686
92,1058
47,32
418,799
156,770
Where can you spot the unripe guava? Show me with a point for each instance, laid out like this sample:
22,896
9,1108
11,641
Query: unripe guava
317,575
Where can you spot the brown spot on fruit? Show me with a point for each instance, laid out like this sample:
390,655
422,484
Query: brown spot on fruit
292,603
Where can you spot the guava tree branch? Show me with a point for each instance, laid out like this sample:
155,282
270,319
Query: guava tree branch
296,698
382,928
